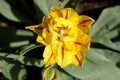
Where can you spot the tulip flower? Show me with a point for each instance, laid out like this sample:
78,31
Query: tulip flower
65,36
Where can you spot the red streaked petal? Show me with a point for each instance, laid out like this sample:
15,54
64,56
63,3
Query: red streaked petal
62,54
50,58
78,60
66,17
84,21
78,43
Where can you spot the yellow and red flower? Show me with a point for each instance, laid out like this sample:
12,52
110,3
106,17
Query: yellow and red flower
64,33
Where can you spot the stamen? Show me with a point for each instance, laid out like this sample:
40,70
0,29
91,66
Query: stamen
62,27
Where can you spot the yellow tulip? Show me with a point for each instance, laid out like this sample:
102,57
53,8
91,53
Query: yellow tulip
64,33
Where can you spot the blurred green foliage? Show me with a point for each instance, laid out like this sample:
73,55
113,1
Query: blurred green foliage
102,60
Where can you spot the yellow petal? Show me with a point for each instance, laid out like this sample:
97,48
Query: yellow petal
69,13
85,23
82,41
69,45
49,37
68,56
78,59
62,56
48,55
40,39
54,8
46,35
55,12
36,28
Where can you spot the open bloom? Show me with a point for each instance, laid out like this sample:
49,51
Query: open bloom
64,33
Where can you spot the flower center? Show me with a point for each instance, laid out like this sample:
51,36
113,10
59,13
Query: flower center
62,26
63,30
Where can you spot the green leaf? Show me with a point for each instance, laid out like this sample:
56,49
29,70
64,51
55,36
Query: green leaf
23,59
113,33
106,42
92,71
12,38
13,70
102,56
108,21
105,31
63,76
44,5
15,13
5,10
97,56
118,44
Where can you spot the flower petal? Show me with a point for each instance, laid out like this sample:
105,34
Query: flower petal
54,8
55,12
78,59
69,45
69,13
36,28
82,41
62,56
40,39
48,55
85,23
66,17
